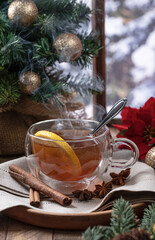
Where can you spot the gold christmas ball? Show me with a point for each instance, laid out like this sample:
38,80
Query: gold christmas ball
68,46
23,12
29,82
150,157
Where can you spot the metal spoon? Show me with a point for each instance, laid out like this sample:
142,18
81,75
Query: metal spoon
117,107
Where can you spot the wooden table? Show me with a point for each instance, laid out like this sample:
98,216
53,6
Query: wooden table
11,229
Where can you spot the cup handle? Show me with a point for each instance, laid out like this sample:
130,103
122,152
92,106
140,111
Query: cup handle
121,158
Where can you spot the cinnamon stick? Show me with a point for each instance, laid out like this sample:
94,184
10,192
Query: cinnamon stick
35,183
34,196
31,196
36,193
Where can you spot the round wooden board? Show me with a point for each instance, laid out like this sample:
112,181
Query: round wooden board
65,221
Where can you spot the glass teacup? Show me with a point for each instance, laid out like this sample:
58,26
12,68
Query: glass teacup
68,156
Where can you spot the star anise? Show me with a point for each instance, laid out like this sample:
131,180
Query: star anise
83,195
119,179
102,190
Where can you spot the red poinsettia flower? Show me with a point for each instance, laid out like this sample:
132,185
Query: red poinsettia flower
139,126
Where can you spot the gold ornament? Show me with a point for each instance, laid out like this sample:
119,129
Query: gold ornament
150,157
29,82
68,46
23,12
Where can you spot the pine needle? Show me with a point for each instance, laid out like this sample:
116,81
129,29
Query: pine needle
122,217
9,91
148,221
122,220
84,84
13,49
96,233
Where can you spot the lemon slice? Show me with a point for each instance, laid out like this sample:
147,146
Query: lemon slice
71,160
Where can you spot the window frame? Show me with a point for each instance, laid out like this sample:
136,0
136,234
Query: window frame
99,65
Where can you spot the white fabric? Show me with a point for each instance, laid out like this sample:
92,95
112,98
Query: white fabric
139,186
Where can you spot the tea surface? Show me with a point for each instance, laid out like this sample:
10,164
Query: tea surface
55,162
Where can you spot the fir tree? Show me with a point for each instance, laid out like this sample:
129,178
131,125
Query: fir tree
148,221
123,224
26,46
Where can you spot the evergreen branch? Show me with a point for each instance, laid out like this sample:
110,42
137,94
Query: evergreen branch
81,13
46,24
13,49
51,26
4,4
22,48
62,26
122,220
84,84
90,48
65,9
43,52
9,90
48,91
122,217
4,23
96,233
148,221
56,17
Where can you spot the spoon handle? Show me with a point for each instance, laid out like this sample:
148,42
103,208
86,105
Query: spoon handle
118,106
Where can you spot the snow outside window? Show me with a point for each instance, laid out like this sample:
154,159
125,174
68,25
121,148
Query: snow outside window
130,51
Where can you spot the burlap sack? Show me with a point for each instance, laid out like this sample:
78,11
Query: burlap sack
15,123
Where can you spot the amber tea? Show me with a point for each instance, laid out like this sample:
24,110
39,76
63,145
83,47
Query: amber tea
68,155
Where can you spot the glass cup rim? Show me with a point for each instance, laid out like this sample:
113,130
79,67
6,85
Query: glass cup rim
70,140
